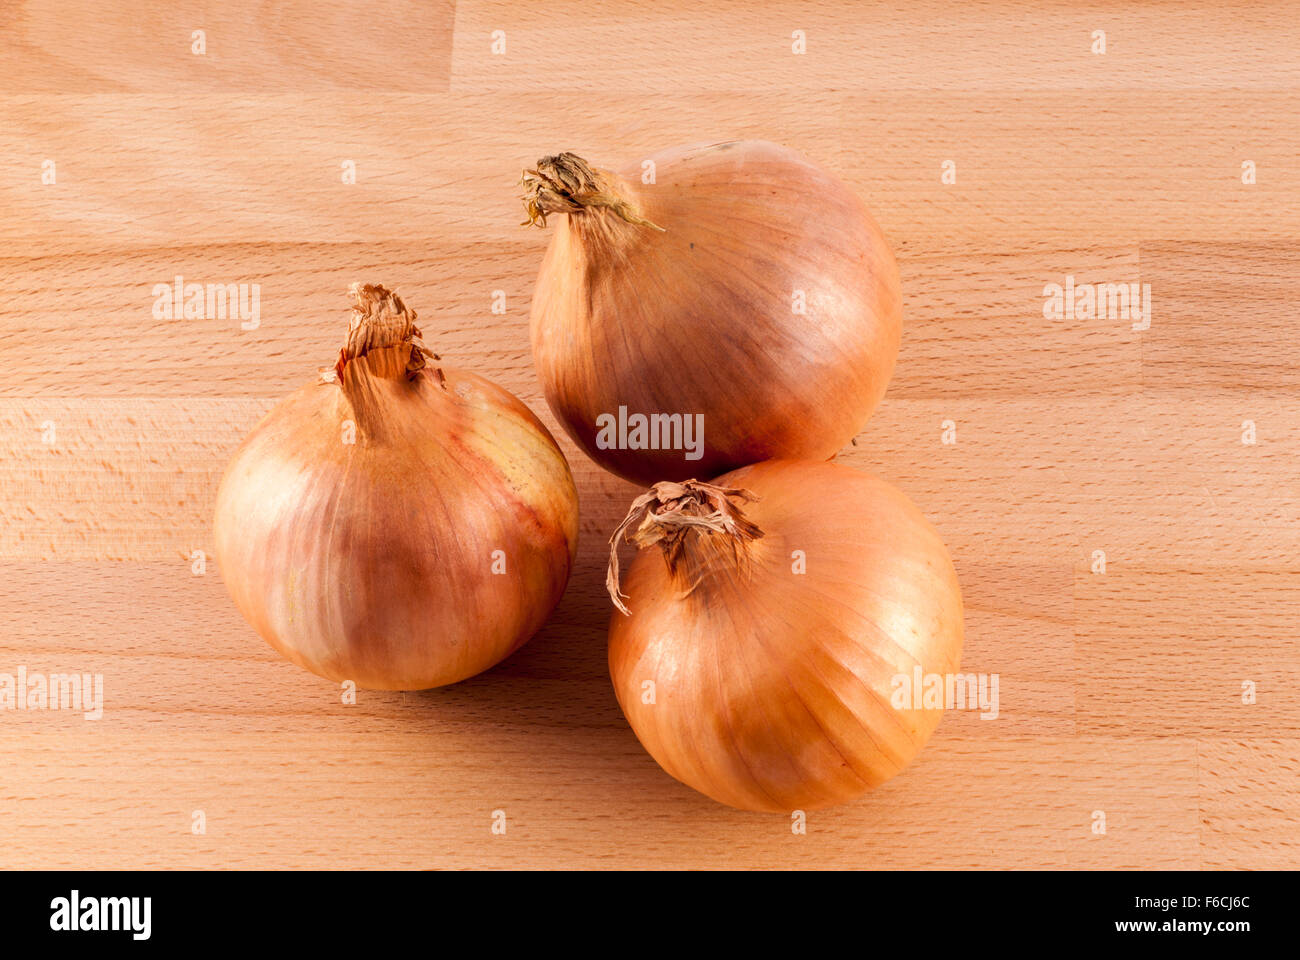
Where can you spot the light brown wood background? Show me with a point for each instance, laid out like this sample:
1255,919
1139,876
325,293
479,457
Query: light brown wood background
1120,692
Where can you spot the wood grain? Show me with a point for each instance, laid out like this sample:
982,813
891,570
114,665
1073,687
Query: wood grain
1120,692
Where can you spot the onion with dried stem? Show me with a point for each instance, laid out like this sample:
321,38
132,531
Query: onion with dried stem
745,292
757,657
397,523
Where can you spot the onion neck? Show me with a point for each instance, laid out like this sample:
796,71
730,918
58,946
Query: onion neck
696,525
382,357
597,201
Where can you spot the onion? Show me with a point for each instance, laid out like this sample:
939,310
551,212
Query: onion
396,524
771,689
683,298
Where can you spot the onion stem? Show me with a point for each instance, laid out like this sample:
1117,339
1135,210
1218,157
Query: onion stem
675,515
565,183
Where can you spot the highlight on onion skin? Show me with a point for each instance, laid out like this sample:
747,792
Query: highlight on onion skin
397,523
683,297
772,689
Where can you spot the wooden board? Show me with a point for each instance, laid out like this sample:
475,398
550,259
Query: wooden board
1120,692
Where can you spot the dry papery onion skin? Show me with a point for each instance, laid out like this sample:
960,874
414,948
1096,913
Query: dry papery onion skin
681,297
397,523
772,689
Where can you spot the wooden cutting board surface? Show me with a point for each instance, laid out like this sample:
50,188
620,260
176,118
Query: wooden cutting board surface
1121,692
